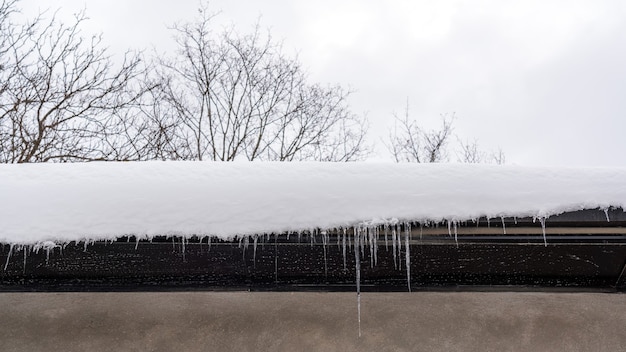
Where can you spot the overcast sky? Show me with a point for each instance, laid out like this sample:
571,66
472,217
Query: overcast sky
544,80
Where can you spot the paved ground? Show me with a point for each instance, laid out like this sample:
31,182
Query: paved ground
242,321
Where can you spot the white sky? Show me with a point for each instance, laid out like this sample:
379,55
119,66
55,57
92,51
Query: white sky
544,80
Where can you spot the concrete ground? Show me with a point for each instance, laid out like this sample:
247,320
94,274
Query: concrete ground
242,321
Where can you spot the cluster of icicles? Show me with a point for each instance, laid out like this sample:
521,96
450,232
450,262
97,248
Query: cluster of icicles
362,237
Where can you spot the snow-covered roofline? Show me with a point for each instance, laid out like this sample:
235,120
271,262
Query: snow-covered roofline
67,202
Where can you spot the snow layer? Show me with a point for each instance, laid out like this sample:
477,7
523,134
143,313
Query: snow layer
67,202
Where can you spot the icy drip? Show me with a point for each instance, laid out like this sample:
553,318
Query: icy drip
370,239
357,260
6,265
606,213
407,255
376,245
243,240
86,243
184,249
344,250
393,242
543,229
399,245
255,241
503,225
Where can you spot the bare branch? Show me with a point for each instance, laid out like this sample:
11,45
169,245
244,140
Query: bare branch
62,94
237,96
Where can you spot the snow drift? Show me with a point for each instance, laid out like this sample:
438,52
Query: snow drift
67,202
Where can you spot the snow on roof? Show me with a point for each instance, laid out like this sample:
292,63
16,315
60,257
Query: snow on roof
67,202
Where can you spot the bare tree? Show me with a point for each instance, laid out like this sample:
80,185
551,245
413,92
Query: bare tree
409,142
226,96
62,96
469,152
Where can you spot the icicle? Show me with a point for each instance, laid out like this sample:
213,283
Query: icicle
173,244
245,246
456,235
136,242
344,249
407,255
421,230
543,229
6,265
376,245
515,220
370,237
357,260
209,242
184,249
488,222
449,229
48,255
399,245
606,213
393,242
503,225
256,238
24,267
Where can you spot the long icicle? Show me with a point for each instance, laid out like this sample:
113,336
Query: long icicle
399,246
370,238
344,250
407,255
543,229
393,247
6,265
